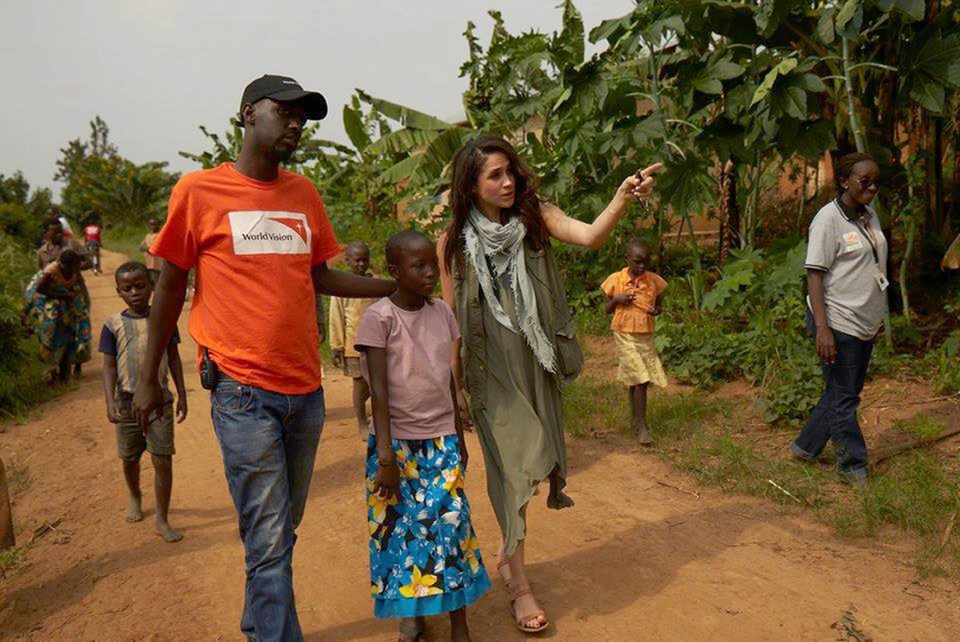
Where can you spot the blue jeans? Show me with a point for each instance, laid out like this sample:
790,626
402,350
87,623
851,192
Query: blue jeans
269,443
835,416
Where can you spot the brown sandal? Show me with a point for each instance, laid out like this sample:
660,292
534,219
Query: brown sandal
504,576
522,623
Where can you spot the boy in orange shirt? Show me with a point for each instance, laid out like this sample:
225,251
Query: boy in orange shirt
633,296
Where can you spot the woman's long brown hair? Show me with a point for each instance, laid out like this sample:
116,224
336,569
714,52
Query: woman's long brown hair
467,165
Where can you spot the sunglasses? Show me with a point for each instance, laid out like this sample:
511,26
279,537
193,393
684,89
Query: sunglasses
866,183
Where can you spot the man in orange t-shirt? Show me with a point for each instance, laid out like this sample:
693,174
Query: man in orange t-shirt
259,238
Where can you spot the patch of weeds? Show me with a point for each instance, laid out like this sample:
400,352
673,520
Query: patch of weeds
946,366
591,407
914,493
11,557
125,240
921,425
593,320
722,458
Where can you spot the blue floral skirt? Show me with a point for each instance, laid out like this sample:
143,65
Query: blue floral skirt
424,555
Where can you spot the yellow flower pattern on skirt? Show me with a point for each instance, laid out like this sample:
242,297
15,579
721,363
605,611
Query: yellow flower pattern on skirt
424,555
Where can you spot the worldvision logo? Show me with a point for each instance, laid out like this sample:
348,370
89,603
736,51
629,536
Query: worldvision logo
263,232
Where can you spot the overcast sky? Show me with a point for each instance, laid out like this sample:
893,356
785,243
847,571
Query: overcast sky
156,69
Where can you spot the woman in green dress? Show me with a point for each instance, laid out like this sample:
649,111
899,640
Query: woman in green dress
518,343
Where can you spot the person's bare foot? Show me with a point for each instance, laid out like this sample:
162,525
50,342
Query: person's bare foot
643,433
134,510
167,532
412,629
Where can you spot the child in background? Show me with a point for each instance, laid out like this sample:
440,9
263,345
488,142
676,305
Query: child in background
633,296
93,234
123,342
424,555
152,262
345,314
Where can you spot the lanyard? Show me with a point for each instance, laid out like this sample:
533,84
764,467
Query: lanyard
865,229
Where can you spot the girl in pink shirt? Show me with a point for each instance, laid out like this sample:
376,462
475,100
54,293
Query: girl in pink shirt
424,555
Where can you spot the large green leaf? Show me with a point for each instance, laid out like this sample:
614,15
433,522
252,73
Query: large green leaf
612,29
356,130
807,140
568,45
913,9
850,19
931,69
771,13
783,68
422,167
401,141
722,138
939,58
438,154
825,22
928,94
650,128
400,171
407,116
686,185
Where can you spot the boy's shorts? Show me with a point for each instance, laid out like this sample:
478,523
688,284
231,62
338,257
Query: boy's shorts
351,367
130,439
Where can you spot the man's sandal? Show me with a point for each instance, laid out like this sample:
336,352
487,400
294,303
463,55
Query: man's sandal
523,622
412,632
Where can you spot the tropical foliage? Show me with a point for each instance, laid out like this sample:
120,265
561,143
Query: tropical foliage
720,91
99,182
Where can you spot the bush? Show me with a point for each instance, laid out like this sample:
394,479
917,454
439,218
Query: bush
21,374
750,326
18,225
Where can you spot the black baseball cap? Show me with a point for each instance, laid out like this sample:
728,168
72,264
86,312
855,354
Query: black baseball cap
284,89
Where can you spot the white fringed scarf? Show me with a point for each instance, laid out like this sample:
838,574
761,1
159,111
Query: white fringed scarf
503,246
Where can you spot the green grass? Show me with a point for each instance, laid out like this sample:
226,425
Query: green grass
10,558
591,407
125,240
921,426
27,387
914,493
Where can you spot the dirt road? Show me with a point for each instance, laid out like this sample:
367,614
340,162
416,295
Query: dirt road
633,560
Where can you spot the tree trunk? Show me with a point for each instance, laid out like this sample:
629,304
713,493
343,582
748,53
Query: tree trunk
730,210
943,225
803,196
955,183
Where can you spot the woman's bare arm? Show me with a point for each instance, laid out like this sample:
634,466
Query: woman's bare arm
594,235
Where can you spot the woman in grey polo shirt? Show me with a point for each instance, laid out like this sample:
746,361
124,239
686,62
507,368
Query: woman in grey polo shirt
847,282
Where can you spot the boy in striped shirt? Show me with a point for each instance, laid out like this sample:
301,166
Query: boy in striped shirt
123,342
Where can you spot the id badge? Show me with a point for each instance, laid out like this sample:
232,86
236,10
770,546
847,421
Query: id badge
881,281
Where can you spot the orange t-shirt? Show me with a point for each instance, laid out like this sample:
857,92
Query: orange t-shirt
634,316
253,244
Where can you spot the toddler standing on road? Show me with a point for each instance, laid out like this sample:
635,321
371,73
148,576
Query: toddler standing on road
633,296
424,555
123,342
345,314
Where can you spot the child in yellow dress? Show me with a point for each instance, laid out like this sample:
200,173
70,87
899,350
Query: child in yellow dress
633,296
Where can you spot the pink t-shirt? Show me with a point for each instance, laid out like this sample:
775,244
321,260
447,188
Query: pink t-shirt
419,344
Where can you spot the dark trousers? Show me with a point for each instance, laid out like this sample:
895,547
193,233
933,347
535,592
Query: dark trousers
835,416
